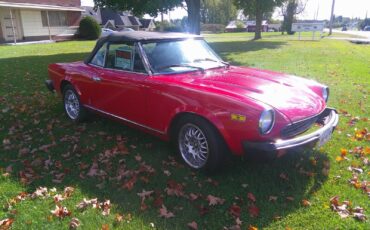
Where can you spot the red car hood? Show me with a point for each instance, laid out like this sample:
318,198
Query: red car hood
287,94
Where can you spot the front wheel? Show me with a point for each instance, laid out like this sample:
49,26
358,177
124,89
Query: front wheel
200,144
72,104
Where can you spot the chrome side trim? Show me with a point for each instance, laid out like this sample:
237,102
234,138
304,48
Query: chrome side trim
124,119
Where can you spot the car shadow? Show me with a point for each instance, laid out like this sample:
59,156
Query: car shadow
143,162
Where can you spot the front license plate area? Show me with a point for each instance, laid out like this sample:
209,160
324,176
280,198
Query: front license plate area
325,137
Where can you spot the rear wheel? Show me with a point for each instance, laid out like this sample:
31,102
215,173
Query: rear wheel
72,104
199,144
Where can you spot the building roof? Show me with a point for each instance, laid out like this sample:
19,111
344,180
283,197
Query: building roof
92,12
134,21
140,36
39,6
119,18
145,22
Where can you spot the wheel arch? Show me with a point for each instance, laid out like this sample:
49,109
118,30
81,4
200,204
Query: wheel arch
63,84
212,120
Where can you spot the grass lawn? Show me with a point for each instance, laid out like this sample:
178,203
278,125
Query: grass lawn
39,146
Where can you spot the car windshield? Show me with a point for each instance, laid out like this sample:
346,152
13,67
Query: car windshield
180,56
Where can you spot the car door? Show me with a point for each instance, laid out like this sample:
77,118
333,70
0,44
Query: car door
121,88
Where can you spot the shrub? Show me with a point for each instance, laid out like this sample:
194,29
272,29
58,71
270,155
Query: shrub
169,27
89,29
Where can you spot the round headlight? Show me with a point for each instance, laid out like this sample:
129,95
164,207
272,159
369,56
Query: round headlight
266,121
325,93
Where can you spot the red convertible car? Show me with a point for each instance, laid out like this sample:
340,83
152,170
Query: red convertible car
176,87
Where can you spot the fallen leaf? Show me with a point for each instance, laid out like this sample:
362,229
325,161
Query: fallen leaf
272,198
166,172
251,197
284,176
163,212
6,223
213,200
40,192
68,191
252,227
193,196
60,211
58,198
253,210
118,218
306,203
235,210
85,203
145,194
174,188
74,223
193,225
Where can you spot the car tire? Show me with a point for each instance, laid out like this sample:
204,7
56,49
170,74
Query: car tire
72,105
200,144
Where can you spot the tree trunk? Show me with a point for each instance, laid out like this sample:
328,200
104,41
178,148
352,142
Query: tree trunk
193,15
259,15
291,10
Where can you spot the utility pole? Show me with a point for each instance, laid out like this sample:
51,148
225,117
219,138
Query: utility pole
331,18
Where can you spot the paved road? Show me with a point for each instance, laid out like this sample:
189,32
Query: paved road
365,34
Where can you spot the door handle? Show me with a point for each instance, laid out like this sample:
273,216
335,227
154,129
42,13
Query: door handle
97,79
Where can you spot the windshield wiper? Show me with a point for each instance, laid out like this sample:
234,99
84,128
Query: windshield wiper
180,65
213,60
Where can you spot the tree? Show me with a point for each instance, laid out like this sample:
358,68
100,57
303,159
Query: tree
289,9
154,7
217,11
258,8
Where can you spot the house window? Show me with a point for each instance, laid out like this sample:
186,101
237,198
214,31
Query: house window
56,18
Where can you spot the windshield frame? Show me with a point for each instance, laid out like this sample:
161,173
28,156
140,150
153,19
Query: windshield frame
152,71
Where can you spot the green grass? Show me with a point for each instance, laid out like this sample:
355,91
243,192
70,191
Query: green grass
31,117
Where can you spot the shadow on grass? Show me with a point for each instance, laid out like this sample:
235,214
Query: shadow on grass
290,178
245,46
226,48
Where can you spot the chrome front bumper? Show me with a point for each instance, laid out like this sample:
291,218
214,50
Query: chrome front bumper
329,118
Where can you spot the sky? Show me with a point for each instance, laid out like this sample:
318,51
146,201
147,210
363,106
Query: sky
346,8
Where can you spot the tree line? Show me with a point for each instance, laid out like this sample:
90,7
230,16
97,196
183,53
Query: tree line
215,11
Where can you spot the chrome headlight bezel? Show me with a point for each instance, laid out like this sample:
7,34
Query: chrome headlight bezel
325,93
266,121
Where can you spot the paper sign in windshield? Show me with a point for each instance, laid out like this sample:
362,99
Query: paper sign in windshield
123,58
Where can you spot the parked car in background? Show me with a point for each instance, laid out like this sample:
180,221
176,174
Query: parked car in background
176,87
125,29
367,28
105,32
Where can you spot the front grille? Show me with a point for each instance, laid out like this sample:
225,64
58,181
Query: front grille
298,127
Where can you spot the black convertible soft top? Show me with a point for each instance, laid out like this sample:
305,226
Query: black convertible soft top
139,36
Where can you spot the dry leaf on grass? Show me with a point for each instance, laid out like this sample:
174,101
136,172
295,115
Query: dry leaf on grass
251,197
163,212
254,211
60,211
75,223
213,200
193,225
6,223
